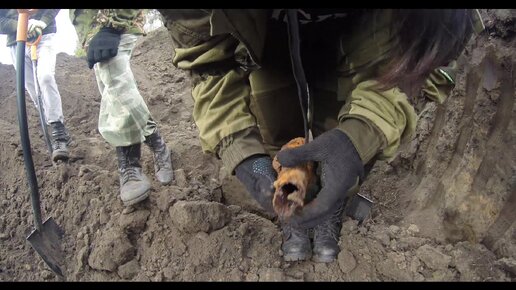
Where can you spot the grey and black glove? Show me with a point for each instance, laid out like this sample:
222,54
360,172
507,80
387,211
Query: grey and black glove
103,46
341,167
258,176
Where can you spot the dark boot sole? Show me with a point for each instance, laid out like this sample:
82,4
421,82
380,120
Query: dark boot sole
60,155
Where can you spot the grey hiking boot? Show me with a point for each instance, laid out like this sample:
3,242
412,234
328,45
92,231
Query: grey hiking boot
59,139
134,185
296,243
326,238
162,161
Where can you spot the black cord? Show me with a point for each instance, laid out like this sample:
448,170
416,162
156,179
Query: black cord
297,67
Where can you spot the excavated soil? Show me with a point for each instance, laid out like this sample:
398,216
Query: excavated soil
443,208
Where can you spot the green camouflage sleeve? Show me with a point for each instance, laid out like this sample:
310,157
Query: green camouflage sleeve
88,22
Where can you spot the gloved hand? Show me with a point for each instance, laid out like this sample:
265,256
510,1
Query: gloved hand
35,28
258,176
103,46
340,167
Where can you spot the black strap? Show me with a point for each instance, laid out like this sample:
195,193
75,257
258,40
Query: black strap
297,68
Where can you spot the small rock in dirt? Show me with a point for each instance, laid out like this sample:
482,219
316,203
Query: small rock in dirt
104,216
235,275
110,250
4,236
418,277
82,257
169,273
349,226
441,275
27,267
128,209
180,177
47,275
134,222
433,258
394,267
195,216
508,264
235,209
383,238
251,277
406,243
271,275
129,269
165,199
346,261
415,264
141,277
413,229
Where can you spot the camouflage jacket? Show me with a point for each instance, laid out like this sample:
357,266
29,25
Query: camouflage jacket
88,22
9,22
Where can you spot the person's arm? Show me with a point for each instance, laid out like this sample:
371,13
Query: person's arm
7,25
372,124
49,15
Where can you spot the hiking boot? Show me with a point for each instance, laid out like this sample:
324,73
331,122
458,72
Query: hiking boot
59,139
162,161
296,243
326,238
134,185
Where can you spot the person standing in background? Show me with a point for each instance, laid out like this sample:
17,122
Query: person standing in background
41,23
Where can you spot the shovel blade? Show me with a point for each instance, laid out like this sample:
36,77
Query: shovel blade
47,243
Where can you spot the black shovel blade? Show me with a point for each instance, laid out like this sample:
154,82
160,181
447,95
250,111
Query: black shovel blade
47,244
359,208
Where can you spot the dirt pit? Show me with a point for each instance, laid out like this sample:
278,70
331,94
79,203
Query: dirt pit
442,208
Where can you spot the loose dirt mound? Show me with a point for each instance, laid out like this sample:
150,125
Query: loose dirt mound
434,204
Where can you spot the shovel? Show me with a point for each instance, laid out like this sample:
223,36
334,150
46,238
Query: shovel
45,239
41,108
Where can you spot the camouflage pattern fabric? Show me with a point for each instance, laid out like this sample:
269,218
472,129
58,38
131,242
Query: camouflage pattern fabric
88,22
124,118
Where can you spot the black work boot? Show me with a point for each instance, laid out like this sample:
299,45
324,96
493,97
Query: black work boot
296,243
134,185
59,140
326,238
162,161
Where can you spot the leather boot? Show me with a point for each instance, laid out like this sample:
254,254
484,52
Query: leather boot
59,140
326,238
162,161
134,185
296,243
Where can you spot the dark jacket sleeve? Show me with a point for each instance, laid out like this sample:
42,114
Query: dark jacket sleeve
7,25
49,15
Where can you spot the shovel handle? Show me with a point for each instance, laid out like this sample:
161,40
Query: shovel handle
23,23
34,48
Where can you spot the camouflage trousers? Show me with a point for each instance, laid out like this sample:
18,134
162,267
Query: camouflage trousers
124,118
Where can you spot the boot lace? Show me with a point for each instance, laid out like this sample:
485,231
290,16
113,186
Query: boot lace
59,145
160,157
130,173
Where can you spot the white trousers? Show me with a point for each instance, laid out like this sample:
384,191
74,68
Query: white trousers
45,73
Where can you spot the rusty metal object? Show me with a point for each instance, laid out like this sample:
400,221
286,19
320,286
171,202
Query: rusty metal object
292,183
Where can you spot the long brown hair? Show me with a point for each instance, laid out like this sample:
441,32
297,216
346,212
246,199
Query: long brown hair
426,39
